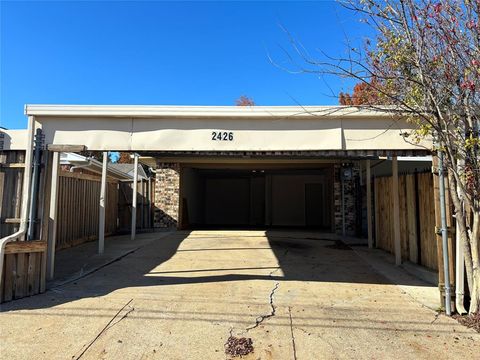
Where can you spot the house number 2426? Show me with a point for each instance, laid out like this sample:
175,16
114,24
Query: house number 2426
222,136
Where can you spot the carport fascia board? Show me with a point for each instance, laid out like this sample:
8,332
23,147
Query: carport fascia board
317,128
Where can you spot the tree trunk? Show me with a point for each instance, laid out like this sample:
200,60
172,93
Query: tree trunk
474,245
461,220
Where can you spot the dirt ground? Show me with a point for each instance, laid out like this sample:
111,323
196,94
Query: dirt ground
183,295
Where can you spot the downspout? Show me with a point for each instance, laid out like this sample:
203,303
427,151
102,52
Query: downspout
32,213
441,181
25,197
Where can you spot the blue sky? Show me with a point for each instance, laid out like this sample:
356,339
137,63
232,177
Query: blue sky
169,53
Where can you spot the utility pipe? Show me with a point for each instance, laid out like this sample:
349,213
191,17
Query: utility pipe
134,196
32,213
443,215
25,197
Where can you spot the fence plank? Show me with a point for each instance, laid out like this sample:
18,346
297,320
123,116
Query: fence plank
408,218
411,218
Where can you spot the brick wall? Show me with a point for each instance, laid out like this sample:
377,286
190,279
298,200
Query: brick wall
350,193
167,190
167,198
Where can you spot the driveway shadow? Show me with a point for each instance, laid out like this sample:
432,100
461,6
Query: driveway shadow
300,257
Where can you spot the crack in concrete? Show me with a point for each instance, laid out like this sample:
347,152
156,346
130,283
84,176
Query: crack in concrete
291,333
273,308
106,327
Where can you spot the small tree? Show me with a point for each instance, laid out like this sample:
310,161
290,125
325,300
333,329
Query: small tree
124,158
425,64
244,101
363,94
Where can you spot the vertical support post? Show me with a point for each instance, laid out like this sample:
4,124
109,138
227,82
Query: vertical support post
52,218
396,212
134,195
101,220
149,203
369,205
443,215
342,183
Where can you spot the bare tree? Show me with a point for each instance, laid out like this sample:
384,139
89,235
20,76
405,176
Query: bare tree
424,62
244,101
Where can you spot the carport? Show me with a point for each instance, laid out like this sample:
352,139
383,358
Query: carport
257,195
235,167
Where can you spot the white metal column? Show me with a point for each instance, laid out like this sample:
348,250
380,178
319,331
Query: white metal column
396,212
369,205
103,195
134,195
52,218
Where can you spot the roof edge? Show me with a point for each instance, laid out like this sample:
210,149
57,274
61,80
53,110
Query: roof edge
192,112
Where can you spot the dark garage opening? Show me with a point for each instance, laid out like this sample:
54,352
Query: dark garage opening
256,198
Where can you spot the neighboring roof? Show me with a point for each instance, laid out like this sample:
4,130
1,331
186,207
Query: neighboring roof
193,112
128,169
13,139
92,165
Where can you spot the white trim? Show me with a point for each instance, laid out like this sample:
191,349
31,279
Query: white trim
198,112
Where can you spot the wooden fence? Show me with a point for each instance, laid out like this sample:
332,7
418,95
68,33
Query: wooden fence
417,217
24,268
11,182
78,210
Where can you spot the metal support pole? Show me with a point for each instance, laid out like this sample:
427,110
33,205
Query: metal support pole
134,195
396,213
52,218
149,202
32,213
342,182
101,220
369,205
443,215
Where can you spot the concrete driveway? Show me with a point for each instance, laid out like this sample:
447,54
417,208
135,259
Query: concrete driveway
181,297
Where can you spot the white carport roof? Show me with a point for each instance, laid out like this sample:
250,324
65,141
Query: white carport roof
190,128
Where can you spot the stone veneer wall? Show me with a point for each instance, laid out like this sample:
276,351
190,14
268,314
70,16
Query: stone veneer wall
350,194
167,195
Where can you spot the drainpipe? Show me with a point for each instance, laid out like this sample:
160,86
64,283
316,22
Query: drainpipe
32,213
25,197
441,181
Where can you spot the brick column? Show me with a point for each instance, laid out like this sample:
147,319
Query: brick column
167,192
350,192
